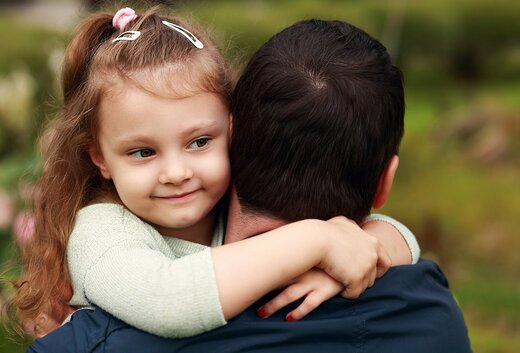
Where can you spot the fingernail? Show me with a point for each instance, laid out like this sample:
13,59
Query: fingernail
261,312
289,317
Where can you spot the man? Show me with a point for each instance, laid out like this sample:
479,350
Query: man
317,122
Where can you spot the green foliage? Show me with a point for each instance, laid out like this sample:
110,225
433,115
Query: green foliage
7,345
486,293
489,292
432,40
456,56
27,52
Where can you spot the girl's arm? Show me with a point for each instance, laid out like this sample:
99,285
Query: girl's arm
316,286
248,269
115,265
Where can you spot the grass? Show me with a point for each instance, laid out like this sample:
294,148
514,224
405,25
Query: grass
490,300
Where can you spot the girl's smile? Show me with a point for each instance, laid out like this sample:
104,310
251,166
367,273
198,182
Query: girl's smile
178,198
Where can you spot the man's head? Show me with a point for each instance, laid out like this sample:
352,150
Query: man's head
317,117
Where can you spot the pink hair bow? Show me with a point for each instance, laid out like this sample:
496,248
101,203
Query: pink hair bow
123,17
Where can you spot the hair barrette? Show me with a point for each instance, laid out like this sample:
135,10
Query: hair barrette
123,17
127,36
194,40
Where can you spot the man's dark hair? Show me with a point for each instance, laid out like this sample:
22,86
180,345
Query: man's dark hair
317,115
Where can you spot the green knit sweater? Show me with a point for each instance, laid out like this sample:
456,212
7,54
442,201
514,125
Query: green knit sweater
162,285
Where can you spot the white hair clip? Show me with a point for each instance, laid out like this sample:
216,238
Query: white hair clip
196,42
127,36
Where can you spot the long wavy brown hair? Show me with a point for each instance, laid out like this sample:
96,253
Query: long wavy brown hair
161,61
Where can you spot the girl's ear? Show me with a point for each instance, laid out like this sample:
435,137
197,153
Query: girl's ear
97,158
385,183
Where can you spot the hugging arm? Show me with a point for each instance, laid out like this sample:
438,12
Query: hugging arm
250,268
315,286
118,265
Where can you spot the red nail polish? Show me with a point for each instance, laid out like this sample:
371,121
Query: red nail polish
290,318
261,312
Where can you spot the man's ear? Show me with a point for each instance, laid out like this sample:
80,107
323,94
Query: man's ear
97,158
385,183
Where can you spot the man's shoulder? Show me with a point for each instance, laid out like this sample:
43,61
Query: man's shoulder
414,307
416,275
409,309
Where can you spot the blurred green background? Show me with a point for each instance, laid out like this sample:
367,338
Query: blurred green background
458,186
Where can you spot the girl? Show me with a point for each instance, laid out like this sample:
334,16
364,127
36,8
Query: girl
135,166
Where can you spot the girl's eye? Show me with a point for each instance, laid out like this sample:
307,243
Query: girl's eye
142,153
199,143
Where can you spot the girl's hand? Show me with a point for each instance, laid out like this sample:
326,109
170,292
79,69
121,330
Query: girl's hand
353,257
338,246
44,324
356,258
315,285
54,313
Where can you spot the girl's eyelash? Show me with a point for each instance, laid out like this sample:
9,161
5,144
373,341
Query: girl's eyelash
137,152
206,139
132,153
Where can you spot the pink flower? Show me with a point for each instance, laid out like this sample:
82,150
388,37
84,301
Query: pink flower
23,227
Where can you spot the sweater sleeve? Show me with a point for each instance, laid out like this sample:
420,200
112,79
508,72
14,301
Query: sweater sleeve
122,266
406,233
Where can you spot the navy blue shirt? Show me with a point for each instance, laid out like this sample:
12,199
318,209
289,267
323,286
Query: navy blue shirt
409,309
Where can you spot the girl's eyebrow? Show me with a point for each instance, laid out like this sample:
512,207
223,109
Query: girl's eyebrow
141,138
130,139
202,127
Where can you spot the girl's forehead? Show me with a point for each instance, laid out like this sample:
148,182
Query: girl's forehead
135,114
155,82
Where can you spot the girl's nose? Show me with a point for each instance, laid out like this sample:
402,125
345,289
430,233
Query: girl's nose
175,171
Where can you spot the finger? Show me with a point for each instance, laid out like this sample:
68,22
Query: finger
372,278
311,302
69,310
384,262
337,219
289,295
369,280
351,292
341,220
355,286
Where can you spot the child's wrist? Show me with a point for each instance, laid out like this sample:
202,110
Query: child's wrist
407,236
314,237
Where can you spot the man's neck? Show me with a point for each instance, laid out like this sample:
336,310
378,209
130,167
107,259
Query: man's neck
242,224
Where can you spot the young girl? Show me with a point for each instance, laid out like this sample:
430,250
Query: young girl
135,166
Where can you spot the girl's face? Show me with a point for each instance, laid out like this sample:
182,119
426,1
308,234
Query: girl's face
168,158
